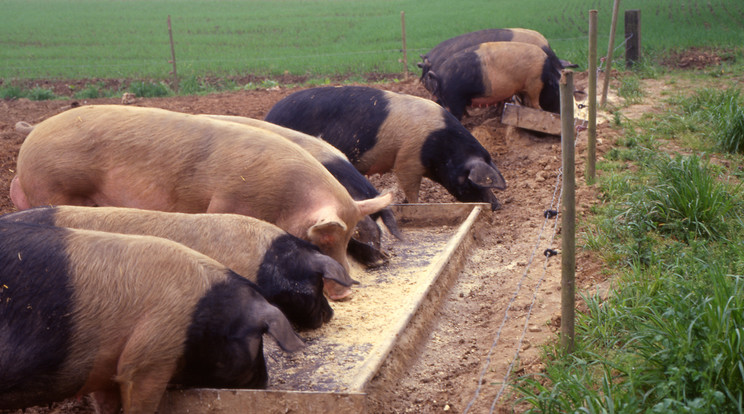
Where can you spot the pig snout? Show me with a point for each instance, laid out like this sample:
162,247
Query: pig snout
336,280
338,288
336,291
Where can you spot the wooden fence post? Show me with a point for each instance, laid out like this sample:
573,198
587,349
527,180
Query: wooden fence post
568,214
632,37
405,52
173,56
591,144
610,49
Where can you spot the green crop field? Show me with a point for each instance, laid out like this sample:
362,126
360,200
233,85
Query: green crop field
72,39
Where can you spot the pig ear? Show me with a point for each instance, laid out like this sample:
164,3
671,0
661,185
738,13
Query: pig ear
433,82
279,327
374,205
485,175
334,271
326,231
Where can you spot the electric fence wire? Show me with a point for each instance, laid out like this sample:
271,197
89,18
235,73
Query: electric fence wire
529,312
602,61
558,190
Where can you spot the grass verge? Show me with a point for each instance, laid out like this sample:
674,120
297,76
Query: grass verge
669,338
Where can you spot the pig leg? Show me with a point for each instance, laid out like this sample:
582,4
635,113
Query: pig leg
143,394
145,366
533,94
106,402
409,172
142,390
42,195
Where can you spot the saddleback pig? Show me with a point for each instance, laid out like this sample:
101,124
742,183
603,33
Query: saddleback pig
121,316
490,73
288,270
149,158
380,131
449,47
365,245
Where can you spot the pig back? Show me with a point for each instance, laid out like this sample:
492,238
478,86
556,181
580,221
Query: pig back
447,48
238,242
509,64
156,159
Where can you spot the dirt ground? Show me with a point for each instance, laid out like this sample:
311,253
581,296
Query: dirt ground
505,301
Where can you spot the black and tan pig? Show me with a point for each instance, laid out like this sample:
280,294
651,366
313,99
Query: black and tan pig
444,50
112,155
121,316
288,270
493,72
365,245
381,131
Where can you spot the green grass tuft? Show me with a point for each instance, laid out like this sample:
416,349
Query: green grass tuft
12,92
144,89
730,127
688,201
40,94
630,90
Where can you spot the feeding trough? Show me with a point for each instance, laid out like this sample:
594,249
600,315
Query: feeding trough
534,119
369,336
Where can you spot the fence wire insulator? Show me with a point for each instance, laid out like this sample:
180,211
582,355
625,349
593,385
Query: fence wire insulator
550,252
549,214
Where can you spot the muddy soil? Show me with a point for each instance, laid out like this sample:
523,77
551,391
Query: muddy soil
505,303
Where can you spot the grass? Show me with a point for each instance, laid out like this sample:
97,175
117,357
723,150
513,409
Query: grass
716,110
687,200
630,89
669,337
74,39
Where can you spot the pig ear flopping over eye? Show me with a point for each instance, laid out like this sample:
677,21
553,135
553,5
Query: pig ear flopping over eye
332,270
486,175
278,326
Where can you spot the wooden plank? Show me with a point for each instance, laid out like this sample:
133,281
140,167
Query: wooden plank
532,119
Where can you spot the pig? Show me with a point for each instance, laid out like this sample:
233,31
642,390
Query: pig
121,316
447,48
380,131
149,158
365,245
288,271
492,72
